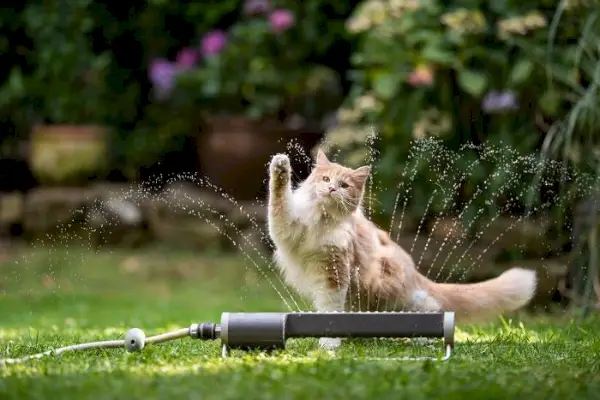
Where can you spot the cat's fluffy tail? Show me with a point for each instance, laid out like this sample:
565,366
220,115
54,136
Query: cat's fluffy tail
509,291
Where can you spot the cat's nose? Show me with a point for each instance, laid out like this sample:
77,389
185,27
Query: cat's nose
331,189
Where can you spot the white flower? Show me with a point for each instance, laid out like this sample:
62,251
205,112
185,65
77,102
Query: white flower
367,102
521,25
368,15
346,115
431,122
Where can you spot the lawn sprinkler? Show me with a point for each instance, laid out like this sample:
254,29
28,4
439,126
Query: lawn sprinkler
270,330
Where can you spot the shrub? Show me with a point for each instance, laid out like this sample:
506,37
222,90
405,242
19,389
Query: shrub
67,83
262,59
462,72
262,65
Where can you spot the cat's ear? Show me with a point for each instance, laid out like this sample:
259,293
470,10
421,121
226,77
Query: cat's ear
322,158
361,174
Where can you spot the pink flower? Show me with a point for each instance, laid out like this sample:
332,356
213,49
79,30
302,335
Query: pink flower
281,20
213,42
187,57
421,76
254,7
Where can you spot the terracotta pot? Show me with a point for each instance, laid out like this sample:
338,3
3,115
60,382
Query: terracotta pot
67,154
234,153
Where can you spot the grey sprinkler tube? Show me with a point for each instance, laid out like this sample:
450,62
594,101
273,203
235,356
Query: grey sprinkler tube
270,330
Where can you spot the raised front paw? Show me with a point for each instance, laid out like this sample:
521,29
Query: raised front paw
280,165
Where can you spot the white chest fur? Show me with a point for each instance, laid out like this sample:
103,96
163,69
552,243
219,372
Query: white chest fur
303,261
303,245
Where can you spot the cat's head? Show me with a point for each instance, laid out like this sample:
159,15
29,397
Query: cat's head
336,189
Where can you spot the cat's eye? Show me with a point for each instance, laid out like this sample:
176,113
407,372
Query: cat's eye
343,185
326,178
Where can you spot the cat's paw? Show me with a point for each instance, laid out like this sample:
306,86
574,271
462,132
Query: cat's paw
330,343
280,165
423,341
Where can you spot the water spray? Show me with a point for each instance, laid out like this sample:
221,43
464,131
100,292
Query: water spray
270,331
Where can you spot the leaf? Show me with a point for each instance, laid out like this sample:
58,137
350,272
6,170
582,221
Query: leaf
254,112
210,88
385,84
15,81
520,72
14,88
472,82
438,55
550,102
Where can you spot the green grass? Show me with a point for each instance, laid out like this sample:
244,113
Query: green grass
53,298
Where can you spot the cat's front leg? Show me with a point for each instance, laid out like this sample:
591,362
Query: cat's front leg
280,172
280,190
331,300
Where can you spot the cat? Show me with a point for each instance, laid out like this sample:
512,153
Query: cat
329,252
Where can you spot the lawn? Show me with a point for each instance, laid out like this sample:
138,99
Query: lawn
53,297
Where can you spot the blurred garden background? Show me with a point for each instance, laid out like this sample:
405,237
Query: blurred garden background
135,138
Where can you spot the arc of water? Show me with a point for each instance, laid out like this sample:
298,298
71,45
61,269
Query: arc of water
231,225
480,190
480,233
458,218
529,212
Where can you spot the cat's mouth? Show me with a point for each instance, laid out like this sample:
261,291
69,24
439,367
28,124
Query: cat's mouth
330,200
326,195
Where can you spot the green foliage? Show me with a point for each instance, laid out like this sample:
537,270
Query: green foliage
82,62
259,73
67,83
462,72
151,25
576,137
262,70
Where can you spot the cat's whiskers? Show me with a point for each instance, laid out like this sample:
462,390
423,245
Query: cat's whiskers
345,205
371,199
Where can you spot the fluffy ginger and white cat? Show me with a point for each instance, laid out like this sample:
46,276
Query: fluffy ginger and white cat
332,254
